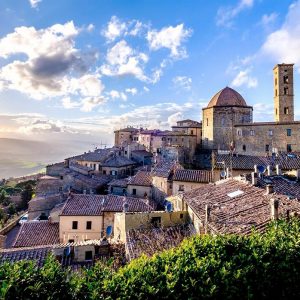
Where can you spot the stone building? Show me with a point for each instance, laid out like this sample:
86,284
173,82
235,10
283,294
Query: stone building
228,124
86,217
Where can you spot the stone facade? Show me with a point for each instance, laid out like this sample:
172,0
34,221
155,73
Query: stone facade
267,138
283,93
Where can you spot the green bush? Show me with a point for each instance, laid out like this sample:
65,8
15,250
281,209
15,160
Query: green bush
258,266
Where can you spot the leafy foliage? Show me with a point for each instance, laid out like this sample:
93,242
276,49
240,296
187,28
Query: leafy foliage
258,266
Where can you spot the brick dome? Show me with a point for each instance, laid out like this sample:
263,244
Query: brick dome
227,97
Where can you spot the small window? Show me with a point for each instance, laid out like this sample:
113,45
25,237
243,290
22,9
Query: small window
286,79
133,191
239,132
89,225
104,172
61,177
267,148
286,91
275,81
289,148
275,92
88,255
75,225
270,132
207,122
192,131
156,221
244,147
252,132
181,216
286,110
71,241
276,111
125,152
289,132
181,188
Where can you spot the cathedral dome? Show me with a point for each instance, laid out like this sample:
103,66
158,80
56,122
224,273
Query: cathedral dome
227,97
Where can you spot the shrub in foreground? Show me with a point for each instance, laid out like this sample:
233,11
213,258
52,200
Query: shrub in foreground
258,266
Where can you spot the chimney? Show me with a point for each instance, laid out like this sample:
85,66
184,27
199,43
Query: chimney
125,207
254,178
227,173
269,170
274,203
278,170
207,216
270,189
255,169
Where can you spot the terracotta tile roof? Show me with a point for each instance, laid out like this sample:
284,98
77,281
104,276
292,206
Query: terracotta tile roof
142,178
142,153
92,181
236,207
94,205
37,233
118,161
247,162
151,241
38,254
119,182
227,97
164,168
200,176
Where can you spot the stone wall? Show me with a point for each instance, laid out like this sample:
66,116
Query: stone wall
252,139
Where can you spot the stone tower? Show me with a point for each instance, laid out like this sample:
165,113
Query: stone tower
284,92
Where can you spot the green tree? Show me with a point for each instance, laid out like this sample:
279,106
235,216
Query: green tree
26,196
11,209
2,196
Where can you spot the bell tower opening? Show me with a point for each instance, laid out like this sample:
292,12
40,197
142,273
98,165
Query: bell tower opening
284,92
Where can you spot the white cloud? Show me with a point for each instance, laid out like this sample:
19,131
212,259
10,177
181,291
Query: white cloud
266,20
146,89
283,45
137,28
132,91
122,60
90,27
69,104
170,38
89,103
52,65
115,28
225,15
117,95
183,82
34,3
243,78
172,119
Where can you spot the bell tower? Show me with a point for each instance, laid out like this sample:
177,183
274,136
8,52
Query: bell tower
284,92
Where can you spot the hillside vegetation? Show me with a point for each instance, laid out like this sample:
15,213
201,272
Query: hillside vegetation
209,267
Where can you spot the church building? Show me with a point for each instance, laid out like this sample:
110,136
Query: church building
227,121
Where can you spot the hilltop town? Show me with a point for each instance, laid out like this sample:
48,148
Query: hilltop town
153,188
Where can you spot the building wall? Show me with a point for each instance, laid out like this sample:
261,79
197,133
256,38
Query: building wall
140,191
218,125
283,93
66,232
187,186
128,221
123,137
160,188
256,143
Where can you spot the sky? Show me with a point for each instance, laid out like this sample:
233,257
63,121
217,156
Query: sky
77,70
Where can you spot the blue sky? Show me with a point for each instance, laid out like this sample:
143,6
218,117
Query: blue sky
76,70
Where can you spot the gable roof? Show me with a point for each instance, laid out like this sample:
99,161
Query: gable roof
199,176
118,161
95,205
142,178
37,233
37,254
247,162
236,206
165,168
